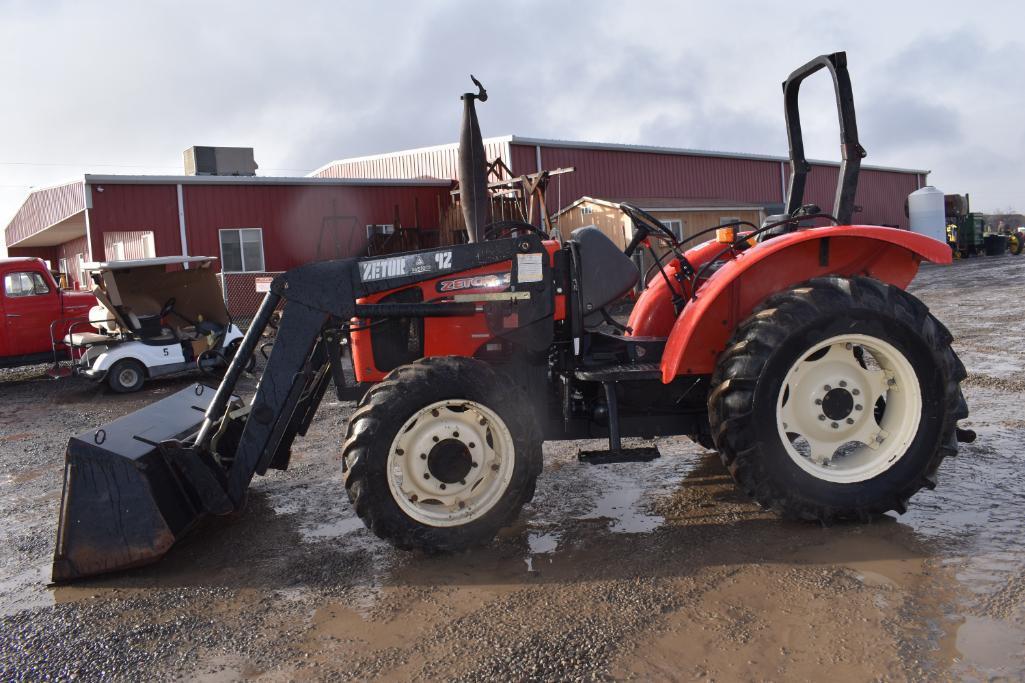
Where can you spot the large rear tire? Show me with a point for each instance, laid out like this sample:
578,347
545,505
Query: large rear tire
440,455
837,399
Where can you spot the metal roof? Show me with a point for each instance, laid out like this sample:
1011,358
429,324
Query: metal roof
94,179
608,146
146,262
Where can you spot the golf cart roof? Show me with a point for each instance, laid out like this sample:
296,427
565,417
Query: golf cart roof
144,262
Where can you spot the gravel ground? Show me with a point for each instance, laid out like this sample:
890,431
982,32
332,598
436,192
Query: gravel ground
643,571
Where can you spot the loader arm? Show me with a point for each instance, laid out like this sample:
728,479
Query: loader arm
134,486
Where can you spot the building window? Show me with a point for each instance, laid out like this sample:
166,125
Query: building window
676,226
586,210
380,229
25,284
242,250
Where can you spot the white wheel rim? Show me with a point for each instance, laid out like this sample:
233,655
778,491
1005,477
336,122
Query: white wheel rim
825,411
128,377
434,447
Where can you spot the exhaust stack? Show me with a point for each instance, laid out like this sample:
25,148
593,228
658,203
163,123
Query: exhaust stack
473,181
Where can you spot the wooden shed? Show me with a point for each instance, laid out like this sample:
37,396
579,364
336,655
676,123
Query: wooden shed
685,217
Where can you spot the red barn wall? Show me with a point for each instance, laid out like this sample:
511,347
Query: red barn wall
129,208
291,216
625,173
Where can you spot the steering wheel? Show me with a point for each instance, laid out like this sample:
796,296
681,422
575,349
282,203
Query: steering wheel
649,223
168,307
499,228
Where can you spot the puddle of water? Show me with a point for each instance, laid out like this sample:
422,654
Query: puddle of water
992,645
540,543
334,529
622,507
626,491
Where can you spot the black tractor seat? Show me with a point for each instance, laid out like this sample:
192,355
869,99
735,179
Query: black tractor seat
604,273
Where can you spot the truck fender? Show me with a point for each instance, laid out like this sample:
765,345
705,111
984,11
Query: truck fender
728,297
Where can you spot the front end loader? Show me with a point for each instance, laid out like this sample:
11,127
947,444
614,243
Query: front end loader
829,391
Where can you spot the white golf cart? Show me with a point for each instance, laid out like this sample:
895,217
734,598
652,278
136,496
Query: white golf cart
152,322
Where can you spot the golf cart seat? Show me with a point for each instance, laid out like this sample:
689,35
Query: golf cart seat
149,328
605,273
87,338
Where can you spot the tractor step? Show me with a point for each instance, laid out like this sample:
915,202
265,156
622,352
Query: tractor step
628,372
646,454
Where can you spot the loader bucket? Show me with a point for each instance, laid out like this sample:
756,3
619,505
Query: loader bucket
125,502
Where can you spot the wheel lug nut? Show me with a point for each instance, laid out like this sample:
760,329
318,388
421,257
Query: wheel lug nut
435,412
855,392
473,445
427,475
891,382
442,487
473,464
455,435
494,468
857,407
818,401
848,346
829,388
423,456
399,451
835,425
482,422
462,505
462,482
843,383
822,418
413,498
435,439
850,420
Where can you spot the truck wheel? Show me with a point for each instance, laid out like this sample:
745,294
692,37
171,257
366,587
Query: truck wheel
837,399
441,454
126,375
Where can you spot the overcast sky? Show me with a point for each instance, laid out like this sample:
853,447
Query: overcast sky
125,87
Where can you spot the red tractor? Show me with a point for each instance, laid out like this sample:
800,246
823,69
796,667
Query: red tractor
829,391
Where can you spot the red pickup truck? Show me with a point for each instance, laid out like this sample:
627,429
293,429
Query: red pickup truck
30,300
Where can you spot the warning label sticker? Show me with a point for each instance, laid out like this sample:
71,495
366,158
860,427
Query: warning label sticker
529,268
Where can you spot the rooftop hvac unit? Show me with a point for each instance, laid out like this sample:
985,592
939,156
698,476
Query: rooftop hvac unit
220,161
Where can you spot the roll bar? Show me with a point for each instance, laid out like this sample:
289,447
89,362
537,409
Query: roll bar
850,149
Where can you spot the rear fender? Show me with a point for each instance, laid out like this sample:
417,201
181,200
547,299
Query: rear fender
729,296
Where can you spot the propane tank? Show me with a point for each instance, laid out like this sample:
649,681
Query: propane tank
927,213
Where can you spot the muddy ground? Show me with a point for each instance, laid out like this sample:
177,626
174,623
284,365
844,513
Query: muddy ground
645,571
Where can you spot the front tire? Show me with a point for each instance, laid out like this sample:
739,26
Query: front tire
440,455
126,376
837,399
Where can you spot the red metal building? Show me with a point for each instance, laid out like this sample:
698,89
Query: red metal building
254,224
613,170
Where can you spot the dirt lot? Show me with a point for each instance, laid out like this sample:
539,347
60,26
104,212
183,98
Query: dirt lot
643,571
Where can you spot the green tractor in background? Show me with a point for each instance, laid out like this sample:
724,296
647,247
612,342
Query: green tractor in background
965,230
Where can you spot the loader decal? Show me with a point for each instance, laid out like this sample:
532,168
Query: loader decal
402,266
493,281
